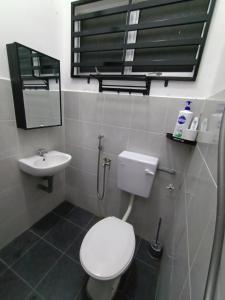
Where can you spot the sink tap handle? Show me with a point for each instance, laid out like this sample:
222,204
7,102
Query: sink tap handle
42,151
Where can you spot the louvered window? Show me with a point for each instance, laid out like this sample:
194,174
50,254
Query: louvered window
155,38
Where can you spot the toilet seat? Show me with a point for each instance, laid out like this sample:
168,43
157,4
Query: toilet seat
108,248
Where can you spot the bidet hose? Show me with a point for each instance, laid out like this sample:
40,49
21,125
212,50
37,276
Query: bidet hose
107,163
101,195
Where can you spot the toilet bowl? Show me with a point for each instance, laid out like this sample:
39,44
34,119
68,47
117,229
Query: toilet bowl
106,252
108,247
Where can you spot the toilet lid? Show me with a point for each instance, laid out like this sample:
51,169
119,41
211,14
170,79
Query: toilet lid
108,248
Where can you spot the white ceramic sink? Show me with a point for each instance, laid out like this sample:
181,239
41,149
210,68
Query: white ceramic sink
51,163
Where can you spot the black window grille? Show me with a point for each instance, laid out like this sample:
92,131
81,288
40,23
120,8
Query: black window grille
157,39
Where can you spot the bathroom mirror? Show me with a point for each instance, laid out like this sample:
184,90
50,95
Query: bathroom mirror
35,79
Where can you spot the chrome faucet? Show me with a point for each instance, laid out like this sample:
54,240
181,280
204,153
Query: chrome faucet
42,152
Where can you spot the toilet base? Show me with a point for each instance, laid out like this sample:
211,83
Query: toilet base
102,289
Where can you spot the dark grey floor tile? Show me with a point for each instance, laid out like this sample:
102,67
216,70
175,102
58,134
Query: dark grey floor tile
143,254
92,222
34,296
2,267
74,250
45,224
64,281
80,216
121,296
36,262
138,242
18,247
12,287
123,281
63,209
141,283
83,294
63,234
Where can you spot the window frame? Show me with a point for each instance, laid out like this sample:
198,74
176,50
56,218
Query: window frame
132,76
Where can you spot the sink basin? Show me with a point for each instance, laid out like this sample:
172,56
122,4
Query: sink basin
51,163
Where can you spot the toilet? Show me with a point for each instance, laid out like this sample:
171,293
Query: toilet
108,247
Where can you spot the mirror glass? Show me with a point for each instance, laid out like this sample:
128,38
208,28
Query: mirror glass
40,78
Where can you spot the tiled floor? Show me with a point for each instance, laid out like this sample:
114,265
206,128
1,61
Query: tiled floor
43,263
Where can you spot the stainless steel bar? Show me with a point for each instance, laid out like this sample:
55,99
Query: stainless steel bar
167,170
218,240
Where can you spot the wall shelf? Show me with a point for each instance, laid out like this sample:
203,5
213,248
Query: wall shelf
171,137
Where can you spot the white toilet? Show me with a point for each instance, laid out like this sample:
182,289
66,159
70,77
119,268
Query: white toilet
108,247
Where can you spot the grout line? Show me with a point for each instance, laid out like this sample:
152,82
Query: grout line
206,231
188,252
21,278
41,236
63,253
207,167
36,292
117,127
49,270
12,120
69,221
6,266
183,287
25,252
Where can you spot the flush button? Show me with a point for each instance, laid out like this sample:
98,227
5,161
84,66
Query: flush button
148,172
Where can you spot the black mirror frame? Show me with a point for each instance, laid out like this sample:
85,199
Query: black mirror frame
17,86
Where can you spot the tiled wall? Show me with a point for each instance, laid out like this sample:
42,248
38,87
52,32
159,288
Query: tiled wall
184,271
134,123
21,203
220,292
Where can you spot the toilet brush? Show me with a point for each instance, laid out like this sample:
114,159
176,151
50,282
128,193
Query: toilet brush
155,248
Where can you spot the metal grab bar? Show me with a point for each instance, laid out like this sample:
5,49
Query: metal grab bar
218,239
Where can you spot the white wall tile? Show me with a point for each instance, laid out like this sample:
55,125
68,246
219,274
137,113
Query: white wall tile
199,268
12,202
181,267
74,151
10,174
149,113
71,105
201,209
8,138
185,293
6,101
115,139
88,134
117,110
32,140
91,107
72,136
165,278
145,142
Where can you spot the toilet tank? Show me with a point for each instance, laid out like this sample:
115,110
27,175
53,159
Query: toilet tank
136,173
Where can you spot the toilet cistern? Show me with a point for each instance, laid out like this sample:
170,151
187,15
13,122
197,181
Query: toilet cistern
136,173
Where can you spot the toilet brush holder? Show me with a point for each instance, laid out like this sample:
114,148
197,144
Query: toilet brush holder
155,248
